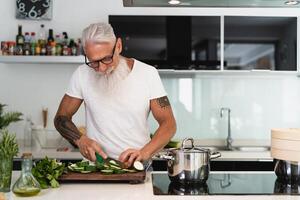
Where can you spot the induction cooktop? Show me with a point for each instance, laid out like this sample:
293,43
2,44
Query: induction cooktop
233,183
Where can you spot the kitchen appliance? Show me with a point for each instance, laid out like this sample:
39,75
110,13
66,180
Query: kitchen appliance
285,149
219,183
189,163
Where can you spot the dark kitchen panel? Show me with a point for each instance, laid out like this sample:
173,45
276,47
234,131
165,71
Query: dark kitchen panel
171,42
261,43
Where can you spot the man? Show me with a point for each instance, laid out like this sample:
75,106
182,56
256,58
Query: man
118,94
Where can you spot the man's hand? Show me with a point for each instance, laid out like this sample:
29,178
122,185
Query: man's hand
88,147
131,155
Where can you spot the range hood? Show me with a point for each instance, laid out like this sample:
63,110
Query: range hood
213,3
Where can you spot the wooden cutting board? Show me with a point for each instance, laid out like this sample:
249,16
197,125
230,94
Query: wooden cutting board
133,178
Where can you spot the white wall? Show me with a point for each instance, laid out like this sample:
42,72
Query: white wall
29,87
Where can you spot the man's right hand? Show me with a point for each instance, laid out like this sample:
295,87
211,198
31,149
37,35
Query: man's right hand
88,147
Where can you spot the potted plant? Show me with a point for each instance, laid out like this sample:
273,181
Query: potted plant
8,147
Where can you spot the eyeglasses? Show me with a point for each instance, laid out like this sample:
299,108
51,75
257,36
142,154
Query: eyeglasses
106,60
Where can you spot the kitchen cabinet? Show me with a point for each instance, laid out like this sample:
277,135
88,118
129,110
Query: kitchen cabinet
260,43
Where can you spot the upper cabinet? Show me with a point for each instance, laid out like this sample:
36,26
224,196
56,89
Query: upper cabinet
171,42
260,43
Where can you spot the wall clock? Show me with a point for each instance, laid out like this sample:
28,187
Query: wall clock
34,9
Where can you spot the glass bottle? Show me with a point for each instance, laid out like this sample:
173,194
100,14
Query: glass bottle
20,37
28,134
26,185
42,35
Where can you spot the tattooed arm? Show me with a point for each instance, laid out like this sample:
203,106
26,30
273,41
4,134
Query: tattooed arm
162,112
63,119
64,125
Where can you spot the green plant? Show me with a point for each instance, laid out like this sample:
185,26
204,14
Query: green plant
9,117
8,145
47,171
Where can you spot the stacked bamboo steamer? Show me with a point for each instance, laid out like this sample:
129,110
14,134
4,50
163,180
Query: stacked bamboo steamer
285,144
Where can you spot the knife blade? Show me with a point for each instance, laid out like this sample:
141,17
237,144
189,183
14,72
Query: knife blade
109,161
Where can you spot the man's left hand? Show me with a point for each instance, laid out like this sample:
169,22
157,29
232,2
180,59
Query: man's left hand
131,155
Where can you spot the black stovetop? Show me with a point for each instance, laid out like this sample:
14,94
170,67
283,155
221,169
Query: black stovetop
250,183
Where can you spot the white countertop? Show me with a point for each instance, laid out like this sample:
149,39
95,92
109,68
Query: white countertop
118,191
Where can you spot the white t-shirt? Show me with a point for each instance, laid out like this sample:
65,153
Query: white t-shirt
118,122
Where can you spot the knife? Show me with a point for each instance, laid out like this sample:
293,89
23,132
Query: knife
109,161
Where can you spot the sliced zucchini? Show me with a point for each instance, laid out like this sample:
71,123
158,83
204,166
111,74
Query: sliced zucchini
129,170
78,169
119,171
73,165
138,165
107,171
115,167
112,162
85,172
70,168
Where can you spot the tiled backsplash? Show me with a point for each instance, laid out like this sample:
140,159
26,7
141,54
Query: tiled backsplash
258,103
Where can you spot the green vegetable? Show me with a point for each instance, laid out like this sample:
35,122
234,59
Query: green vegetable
47,171
107,171
105,168
91,168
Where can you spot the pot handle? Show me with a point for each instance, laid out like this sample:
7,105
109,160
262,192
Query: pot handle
183,145
214,155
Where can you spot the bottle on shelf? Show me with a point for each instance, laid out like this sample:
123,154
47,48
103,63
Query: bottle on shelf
26,185
50,36
33,44
20,37
79,47
27,48
42,35
19,42
58,46
72,47
65,48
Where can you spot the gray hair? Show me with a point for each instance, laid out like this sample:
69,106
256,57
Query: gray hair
98,33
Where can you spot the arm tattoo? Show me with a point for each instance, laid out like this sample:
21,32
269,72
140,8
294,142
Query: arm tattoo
67,129
163,102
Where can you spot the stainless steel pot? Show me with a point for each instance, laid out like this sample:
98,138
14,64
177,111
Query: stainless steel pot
288,171
189,163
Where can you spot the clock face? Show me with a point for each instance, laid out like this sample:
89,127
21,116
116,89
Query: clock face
34,9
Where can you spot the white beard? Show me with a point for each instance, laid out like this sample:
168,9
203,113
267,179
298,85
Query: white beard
113,77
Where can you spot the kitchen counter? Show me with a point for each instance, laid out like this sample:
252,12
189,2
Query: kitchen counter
225,155
118,191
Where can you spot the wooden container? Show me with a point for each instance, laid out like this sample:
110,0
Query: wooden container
285,144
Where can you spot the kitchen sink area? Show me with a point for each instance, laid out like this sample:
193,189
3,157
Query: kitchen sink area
240,148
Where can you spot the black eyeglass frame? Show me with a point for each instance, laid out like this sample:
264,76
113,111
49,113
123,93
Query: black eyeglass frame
102,60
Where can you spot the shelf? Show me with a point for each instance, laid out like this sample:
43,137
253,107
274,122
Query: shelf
180,73
42,59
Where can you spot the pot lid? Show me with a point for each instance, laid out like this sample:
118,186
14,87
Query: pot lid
191,148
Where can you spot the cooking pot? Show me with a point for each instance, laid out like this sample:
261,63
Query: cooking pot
286,188
287,171
189,163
